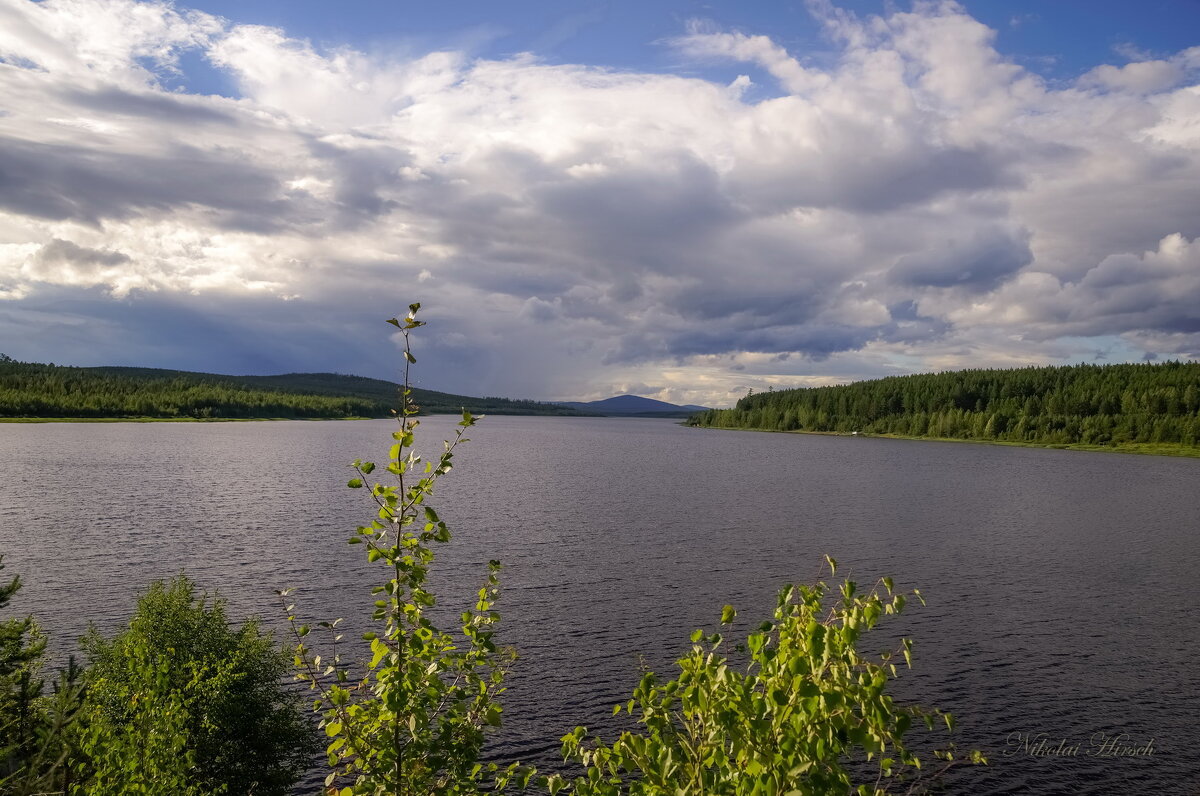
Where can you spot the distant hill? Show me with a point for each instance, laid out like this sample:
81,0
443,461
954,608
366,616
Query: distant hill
29,389
634,406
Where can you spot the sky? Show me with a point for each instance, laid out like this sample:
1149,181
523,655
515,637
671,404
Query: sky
683,200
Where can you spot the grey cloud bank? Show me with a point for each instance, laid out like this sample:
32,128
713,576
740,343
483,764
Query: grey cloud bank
920,204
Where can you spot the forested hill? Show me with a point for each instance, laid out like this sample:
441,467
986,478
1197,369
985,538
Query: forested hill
36,390
1076,404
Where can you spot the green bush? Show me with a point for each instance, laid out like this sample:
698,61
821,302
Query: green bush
134,733
802,716
193,682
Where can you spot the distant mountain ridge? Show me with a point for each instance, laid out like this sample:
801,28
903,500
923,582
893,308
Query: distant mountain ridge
634,406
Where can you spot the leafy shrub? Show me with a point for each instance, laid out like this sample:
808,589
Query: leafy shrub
800,717
134,737
181,674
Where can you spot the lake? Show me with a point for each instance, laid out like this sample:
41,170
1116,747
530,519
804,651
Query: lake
1061,585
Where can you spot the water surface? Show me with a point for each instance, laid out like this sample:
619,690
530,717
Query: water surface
1060,584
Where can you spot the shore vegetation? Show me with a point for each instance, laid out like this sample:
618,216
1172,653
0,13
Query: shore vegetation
1142,408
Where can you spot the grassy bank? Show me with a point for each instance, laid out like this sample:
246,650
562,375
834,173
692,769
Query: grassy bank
1142,448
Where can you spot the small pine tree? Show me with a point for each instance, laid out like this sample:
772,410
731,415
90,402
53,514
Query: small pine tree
21,648
34,737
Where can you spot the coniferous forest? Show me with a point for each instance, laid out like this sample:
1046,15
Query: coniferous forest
33,390
1102,405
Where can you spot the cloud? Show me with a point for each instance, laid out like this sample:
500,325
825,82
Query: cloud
1140,76
121,42
65,262
702,41
88,184
916,202
980,263
1124,293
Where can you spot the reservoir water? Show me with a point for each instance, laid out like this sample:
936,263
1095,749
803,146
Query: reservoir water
1061,585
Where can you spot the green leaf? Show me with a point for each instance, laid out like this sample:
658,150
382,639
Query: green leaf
355,483
727,614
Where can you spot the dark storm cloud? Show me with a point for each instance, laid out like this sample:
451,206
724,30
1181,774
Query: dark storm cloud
365,176
155,105
216,334
641,215
85,184
854,174
815,341
978,264
64,252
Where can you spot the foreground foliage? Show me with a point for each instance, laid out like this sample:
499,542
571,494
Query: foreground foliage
413,722
181,680
134,735
35,727
803,714
1086,404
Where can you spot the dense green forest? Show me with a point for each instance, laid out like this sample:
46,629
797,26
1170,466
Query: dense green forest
1108,405
32,390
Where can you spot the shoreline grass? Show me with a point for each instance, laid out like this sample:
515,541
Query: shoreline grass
1175,449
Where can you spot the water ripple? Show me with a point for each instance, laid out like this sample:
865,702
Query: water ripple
1060,585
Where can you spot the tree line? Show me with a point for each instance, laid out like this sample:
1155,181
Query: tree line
1089,404
33,390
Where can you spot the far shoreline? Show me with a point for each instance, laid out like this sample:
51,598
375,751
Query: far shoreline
1175,450
172,419
455,413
